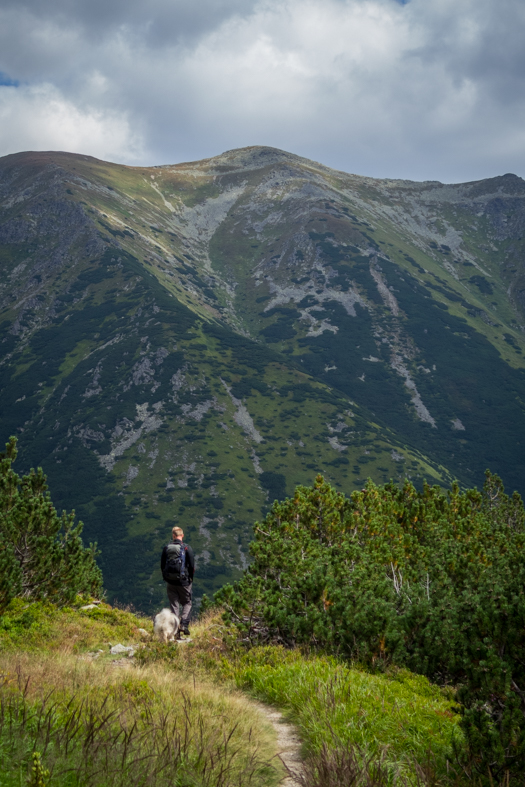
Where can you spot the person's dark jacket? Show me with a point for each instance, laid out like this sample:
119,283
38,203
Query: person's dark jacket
190,561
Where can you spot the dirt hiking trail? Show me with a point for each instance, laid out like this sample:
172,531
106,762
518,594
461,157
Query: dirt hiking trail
288,743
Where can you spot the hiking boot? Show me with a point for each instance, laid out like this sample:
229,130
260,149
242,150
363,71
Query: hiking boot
186,631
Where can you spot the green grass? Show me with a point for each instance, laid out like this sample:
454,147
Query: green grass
97,720
132,732
350,721
59,678
401,717
34,627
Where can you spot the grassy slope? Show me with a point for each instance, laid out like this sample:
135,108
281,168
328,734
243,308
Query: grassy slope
95,720
59,662
199,471
401,719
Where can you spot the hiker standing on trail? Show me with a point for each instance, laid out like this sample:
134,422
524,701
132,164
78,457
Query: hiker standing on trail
178,566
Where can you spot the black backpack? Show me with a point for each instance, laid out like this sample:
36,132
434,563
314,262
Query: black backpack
175,570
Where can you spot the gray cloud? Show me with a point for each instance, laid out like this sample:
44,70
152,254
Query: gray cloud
420,90
153,23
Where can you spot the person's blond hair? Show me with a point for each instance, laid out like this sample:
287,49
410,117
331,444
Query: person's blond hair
177,532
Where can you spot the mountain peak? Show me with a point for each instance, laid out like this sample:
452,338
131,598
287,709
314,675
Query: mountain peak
254,157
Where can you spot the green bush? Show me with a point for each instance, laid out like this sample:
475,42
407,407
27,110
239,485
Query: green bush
41,554
429,580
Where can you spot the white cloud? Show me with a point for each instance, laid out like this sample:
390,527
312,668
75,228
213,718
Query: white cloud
422,90
40,118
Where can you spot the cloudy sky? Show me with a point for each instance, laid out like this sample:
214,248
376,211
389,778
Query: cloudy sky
424,89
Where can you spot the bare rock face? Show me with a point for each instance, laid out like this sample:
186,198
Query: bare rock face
184,344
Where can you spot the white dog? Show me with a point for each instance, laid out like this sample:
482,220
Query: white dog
166,626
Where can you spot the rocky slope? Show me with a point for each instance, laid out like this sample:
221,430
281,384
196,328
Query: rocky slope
183,344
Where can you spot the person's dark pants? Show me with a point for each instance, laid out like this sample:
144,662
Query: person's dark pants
180,595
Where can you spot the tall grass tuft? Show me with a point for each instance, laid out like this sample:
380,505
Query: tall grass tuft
341,765
125,734
353,721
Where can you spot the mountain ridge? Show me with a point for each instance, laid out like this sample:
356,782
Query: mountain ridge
194,340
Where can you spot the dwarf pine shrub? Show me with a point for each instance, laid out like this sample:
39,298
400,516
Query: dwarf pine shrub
41,553
430,580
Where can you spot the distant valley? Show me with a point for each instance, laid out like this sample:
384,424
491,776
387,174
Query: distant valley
184,344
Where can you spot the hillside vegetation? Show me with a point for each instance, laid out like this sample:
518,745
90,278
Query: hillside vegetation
342,596
42,555
71,713
394,728
184,344
428,580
